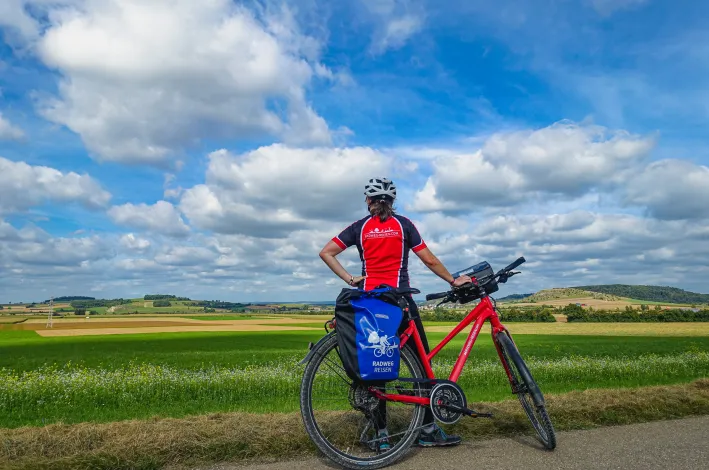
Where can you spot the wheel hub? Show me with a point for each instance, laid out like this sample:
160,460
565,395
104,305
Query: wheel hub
362,399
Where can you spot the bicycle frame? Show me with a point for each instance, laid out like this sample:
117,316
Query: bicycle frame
482,312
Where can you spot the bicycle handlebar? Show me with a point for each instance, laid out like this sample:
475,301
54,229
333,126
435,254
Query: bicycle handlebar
438,295
516,263
503,274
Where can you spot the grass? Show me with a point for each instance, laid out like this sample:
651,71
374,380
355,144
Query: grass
178,374
679,329
188,442
240,316
26,351
50,395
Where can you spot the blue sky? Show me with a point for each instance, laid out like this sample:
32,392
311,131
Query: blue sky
211,149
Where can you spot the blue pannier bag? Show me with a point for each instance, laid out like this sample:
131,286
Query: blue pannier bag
367,325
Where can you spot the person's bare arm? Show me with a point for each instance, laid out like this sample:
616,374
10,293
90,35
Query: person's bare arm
328,255
435,265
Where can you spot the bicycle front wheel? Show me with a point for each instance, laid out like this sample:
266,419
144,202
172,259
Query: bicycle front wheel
526,389
342,417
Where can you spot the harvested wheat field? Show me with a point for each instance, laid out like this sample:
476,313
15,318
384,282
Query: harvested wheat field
598,304
126,326
166,329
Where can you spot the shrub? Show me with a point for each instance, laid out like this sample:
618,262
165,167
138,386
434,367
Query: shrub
165,297
79,311
513,314
632,315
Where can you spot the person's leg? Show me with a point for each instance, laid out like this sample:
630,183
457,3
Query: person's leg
428,419
431,434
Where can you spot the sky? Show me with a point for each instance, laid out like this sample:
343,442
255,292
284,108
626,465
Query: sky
210,149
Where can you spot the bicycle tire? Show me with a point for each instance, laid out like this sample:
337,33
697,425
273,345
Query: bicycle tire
336,455
525,387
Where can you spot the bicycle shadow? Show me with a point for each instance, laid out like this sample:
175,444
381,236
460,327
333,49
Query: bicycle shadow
412,453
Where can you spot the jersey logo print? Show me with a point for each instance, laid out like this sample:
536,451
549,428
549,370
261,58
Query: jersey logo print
382,233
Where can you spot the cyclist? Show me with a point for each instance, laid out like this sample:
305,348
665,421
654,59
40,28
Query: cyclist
384,239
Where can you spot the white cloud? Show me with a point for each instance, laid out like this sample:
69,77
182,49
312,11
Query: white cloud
398,31
277,189
564,159
13,15
396,21
61,251
23,186
161,217
186,256
9,131
142,80
132,242
671,189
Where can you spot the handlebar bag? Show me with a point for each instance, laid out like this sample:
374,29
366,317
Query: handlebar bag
367,323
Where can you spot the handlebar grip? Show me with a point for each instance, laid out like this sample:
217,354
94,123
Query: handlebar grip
439,295
519,261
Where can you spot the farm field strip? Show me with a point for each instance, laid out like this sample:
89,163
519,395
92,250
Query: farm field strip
591,302
167,329
119,325
181,319
51,394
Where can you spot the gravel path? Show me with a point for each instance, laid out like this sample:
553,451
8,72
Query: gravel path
678,444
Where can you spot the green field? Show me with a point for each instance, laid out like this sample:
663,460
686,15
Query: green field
106,378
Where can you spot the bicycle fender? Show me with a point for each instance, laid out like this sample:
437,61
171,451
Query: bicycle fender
314,348
514,354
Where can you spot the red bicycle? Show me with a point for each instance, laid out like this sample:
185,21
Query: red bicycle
343,417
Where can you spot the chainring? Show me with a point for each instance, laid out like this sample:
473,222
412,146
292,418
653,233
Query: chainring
444,394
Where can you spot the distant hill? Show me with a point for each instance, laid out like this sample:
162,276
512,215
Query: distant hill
507,298
650,293
569,293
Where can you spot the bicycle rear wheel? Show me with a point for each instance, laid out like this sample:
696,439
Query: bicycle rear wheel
341,417
526,389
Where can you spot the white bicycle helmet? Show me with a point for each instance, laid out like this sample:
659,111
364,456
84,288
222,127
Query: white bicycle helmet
380,188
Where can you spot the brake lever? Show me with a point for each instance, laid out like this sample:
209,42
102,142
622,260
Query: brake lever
447,299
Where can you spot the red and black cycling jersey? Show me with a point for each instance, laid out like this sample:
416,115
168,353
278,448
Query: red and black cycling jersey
383,248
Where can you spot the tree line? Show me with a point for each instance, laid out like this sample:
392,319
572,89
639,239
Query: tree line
575,313
513,314
165,297
650,293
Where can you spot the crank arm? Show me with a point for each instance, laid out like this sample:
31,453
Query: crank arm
468,412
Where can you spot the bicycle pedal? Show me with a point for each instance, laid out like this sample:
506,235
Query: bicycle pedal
475,414
469,412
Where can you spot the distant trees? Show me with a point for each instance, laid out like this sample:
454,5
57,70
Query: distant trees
220,304
70,298
79,311
514,314
651,293
630,314
162,303
165,297
98,303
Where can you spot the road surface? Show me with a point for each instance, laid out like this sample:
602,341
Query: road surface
678,444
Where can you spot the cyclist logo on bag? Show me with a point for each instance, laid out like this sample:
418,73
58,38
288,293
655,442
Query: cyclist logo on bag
381,344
